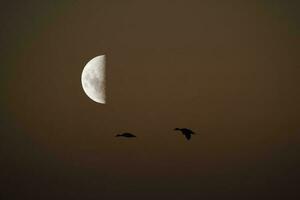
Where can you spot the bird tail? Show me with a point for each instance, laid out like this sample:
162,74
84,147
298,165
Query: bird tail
118,135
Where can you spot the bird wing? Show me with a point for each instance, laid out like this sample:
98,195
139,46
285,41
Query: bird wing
187,136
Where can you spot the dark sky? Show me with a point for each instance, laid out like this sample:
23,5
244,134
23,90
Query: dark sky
229,70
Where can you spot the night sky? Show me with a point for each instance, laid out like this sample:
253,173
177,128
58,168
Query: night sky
229,70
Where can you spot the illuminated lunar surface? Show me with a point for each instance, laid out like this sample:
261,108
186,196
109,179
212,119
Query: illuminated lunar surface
93,79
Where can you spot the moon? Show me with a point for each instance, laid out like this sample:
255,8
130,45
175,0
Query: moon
93,79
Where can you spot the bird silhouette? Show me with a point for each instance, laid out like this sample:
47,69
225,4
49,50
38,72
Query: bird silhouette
186,132
128,135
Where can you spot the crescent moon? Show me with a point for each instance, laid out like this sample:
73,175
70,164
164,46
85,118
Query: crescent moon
93,79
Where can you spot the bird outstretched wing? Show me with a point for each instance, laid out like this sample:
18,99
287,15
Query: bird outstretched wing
187,136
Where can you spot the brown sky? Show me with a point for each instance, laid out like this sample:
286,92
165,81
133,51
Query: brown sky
229,70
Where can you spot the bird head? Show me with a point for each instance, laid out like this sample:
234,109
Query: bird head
176,129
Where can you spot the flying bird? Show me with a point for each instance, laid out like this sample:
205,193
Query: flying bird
128,135
186,132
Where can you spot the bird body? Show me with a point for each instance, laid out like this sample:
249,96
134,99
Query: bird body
186,132
128,135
